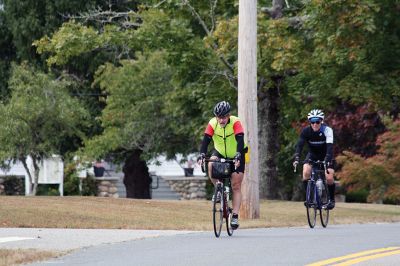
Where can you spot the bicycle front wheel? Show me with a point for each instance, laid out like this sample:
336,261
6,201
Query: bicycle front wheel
217,211
324,212
311,205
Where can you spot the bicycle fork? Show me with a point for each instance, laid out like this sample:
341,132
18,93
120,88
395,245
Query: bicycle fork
311,196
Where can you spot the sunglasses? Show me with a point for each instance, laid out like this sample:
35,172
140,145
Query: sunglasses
316,122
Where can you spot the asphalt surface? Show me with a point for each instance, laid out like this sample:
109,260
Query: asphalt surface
263,246
70,239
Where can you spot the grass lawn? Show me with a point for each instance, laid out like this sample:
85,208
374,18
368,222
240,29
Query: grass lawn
95,212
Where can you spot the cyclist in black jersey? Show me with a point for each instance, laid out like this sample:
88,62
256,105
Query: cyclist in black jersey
319,138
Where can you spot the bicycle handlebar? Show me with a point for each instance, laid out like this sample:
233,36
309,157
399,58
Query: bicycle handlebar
220,160
314,162
320,162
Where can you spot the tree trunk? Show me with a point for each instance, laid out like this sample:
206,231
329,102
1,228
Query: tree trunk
269,142
268,121
25,164
36,170
136,176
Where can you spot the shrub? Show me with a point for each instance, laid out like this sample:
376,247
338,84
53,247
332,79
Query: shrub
379,174
357,196
71,182
14,185
47,190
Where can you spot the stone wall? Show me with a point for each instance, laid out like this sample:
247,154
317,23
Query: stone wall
189,188
107,187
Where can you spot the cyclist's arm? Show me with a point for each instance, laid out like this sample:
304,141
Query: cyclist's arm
208,133
329,144
204,144
239,136
240,142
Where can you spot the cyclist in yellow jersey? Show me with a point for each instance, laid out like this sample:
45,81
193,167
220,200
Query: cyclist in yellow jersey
227,134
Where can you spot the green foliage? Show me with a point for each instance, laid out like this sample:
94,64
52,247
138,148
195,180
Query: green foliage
39,115
29,20
7,52
355,52
71,180
47,190
173,74
359,196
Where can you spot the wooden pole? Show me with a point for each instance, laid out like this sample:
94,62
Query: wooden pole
247,104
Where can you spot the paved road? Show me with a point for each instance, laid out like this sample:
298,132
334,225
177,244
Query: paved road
268,246
68,239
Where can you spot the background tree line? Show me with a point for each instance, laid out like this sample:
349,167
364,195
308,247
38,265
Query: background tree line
144,75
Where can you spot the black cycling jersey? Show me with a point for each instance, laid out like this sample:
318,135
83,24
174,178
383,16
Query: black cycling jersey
320,143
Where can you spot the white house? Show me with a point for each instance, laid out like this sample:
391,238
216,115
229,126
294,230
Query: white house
51,172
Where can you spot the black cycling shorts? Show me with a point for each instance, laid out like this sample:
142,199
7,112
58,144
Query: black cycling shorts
313,157
242,166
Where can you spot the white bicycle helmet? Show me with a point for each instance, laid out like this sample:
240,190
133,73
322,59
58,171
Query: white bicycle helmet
316,113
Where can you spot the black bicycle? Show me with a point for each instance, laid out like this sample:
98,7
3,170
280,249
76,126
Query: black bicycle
317,194
222,204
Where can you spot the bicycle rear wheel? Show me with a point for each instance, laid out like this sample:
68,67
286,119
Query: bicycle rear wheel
228,215
324,212
218,211
311,205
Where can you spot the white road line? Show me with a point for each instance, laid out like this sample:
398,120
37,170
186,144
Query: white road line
13,238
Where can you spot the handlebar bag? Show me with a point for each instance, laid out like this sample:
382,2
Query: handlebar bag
221,170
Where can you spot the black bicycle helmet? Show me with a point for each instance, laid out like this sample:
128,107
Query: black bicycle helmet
222,109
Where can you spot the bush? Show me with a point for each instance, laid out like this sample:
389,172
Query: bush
379,175
89,187
14,185
359,196
47,190
71,183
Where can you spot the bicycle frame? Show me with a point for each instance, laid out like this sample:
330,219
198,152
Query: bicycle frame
222,188
316,197
316,175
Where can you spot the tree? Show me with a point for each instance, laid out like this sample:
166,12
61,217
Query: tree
36,120
170,71
29,20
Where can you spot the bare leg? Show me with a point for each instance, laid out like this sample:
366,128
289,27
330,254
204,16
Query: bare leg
213,180
329,177
237,192
306,171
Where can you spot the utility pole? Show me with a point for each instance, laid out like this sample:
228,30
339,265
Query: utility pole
247,104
